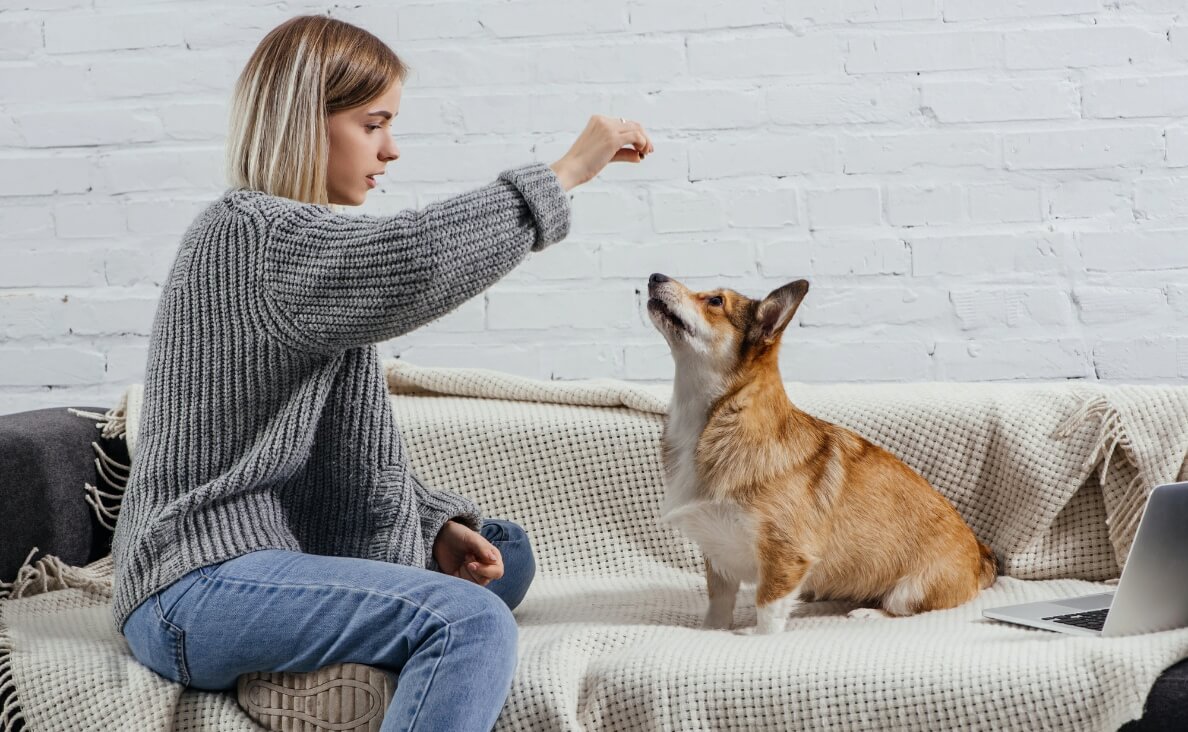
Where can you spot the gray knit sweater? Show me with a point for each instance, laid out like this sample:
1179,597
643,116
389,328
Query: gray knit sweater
265,422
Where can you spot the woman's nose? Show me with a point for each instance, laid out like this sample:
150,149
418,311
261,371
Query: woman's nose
390,152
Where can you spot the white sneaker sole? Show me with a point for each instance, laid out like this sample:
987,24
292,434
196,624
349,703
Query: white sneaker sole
344,697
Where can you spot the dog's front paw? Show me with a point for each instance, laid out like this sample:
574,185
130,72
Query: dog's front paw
754,630
717,622
868,613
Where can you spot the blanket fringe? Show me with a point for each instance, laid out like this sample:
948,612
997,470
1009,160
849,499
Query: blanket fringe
6,588
10,712
1111,433
106,501
113,422
47,575
1121,518
114,475
34,578
10,709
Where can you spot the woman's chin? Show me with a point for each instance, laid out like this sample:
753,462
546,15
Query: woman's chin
354,199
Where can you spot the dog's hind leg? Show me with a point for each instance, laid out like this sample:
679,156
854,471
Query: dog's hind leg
938,587
867,613
905,597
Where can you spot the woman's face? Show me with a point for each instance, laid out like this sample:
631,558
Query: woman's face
361,145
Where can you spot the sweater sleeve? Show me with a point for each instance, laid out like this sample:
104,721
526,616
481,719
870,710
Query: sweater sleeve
335,281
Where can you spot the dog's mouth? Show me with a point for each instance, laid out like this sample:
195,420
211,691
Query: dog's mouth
659,307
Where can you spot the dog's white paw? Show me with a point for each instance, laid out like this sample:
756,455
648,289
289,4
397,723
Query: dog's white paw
868,613
769,629
716,623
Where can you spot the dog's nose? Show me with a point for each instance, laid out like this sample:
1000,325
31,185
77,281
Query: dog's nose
657,278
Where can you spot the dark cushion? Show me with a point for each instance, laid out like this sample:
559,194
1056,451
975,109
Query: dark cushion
46,458
1167,704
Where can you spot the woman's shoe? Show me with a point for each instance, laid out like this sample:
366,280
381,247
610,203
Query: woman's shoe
344,697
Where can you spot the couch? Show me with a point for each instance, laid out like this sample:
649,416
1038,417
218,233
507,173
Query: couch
48,455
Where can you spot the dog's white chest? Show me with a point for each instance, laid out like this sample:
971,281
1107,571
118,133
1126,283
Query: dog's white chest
723,529
726,534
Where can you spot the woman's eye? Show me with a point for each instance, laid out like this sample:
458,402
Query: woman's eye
715,302
373,127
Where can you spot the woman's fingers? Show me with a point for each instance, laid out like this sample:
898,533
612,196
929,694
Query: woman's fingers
486,572
480,549
490,568
479,572
472,574
627,155
465,573
483,561
637,137
468,569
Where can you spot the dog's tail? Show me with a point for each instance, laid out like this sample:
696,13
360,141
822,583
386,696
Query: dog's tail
987,566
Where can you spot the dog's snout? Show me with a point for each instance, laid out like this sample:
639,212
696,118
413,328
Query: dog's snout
657,279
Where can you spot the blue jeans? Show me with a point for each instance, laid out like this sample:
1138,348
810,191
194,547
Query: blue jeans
452,643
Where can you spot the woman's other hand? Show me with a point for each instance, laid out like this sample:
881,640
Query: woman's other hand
605,140
462,552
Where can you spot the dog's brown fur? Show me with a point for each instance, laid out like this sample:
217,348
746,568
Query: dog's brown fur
835,516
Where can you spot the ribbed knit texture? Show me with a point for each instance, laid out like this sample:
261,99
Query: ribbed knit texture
266,421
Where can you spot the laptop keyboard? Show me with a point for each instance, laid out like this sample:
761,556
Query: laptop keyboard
1092,620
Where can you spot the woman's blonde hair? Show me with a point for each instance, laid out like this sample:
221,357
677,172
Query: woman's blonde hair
304,69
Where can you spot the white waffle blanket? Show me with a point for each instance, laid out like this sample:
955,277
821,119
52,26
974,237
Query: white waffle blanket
1052,476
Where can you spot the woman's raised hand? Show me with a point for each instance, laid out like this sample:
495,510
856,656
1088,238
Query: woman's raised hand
605,140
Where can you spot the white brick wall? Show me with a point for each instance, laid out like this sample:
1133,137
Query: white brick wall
977,189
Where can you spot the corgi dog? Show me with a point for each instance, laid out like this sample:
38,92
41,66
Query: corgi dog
800,507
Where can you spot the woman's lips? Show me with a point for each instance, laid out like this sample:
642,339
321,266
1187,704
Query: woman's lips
370,182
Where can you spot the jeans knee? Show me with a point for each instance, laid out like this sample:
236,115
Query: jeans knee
509,632
497,621
488,630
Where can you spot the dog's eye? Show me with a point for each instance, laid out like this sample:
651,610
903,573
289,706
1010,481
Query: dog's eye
714,302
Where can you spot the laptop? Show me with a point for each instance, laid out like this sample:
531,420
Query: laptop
1152,593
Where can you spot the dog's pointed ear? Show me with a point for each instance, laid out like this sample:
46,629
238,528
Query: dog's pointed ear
776,310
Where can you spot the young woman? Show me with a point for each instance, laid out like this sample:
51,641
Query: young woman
271,521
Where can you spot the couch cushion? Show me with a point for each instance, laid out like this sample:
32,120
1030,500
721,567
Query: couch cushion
46,458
